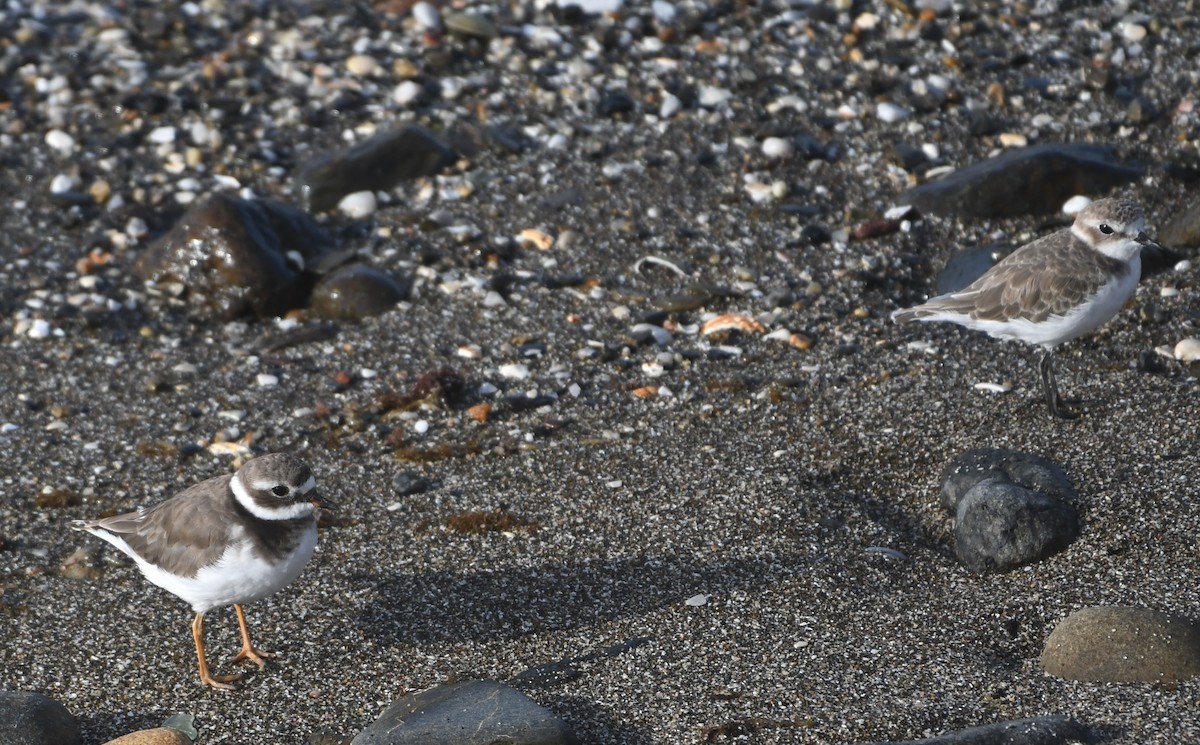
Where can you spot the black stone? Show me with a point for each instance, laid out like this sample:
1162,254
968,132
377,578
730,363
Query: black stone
1027,181
1054,729
356,291
377,164
28,718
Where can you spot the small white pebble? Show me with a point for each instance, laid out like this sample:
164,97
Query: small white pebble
487,389
1075,205
421,426
777,148
358,205
514,371
60,141
161,135
696,601
993,387
367,373
427,16
407,92
266,380
39,329
1183,266
63,182
362,64
890,112
614,484
1168,292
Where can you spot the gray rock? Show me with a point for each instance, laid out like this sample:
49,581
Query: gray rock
1030,471
237,257
1047,730
376,164
968,265
1025,181
476,712
1000,526
356,291
1123,645
28,718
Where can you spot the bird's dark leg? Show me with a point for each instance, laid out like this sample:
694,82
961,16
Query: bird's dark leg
1050,387
248,651
219,681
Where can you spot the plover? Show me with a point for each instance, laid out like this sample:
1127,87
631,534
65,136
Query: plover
229,540
1053,289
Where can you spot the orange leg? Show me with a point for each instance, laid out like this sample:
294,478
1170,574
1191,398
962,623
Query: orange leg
220,681
248,652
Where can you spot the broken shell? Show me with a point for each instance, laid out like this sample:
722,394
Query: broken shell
731,322
536,238
480,412
1188,350
993,387
646,391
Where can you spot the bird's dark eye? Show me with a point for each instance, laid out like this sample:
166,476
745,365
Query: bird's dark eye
1104,228
280,491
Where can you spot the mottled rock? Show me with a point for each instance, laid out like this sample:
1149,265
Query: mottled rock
1123,645
477,712
376,164
28,718
978,464
1000,526
1025,181
1047,730
156,736
1010,508
237,257
1183,229
356,291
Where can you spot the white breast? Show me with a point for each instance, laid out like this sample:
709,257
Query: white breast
240,576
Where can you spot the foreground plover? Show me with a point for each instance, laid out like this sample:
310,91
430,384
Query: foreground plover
1056,288
229,540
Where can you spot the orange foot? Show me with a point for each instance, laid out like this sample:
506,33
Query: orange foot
250,653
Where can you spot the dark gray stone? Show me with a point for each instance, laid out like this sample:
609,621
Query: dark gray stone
1026,181
1047,730
1113,644
376,164
1030,471
28,718
354,292
1001,525
476,712
238,257
968,265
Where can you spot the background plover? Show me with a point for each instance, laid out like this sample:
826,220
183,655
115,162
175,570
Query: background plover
226,541
1053,289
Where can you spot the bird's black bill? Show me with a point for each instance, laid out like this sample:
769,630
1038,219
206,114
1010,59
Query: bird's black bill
319,501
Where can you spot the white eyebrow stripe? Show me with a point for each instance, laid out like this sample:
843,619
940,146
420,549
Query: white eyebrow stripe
309,485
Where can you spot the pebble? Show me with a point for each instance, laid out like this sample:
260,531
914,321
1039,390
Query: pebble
1033,180
60,141
427,16
777,148
358,205
161,135
1010,508
407,92
1115,644
362,64
467,712
28,718
514,371
266,380
63,183
39,329
156,736
1052,729
890,112
356,291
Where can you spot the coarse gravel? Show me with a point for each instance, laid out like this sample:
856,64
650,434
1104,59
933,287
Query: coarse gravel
759,476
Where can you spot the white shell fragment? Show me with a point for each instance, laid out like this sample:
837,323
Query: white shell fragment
358,205
993,387
1188,350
